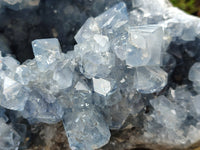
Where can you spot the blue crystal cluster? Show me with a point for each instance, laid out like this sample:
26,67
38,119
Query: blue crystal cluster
120,59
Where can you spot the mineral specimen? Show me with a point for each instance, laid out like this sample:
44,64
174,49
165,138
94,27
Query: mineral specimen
123,64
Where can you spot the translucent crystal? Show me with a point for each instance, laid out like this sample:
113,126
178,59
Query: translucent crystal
86,130
147,12
23,74
113,18
93,56
46,52
113,75
63,75
144,46
183,97
38,110
149,79
82,87
101,86
151,5
164,124
95,65
14,95
87,31
119,43
8,65
118,114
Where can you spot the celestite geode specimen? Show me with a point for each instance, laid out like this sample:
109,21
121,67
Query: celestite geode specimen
121,65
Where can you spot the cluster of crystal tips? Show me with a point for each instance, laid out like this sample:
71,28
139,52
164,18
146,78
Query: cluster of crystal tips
94,88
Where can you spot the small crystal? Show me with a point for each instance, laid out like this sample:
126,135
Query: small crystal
101,86
14,95
149,79
46,52
63,76
86,130
95,65
87,31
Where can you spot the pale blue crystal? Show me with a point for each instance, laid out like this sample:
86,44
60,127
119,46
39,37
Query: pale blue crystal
87,31
95,65
101,86
86,130
149,79
46,52
113,73
113,18
14,95
23,74
38,110
144,46
166,113
164,123
63,75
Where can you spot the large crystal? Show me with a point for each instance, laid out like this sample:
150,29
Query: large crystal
144,46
